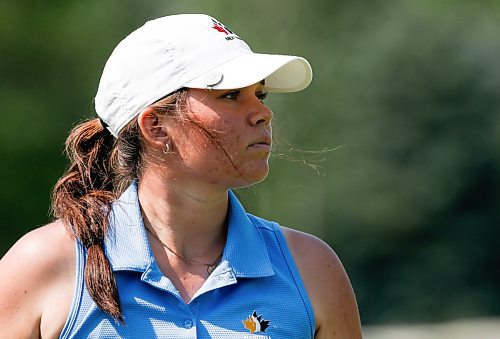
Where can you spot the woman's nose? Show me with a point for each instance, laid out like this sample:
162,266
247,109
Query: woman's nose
260,114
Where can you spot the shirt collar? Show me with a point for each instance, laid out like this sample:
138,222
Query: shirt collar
127,245
245,248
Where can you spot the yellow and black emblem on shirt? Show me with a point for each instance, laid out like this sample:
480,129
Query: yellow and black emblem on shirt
255,323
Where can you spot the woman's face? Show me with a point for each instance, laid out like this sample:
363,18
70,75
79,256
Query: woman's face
226,138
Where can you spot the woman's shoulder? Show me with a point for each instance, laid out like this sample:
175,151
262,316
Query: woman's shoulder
35,274
43,247
327,285
310,250
314,257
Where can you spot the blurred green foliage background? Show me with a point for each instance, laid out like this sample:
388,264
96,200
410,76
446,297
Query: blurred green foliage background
391,155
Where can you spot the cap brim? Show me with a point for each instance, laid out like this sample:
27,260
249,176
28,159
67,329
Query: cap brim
282,73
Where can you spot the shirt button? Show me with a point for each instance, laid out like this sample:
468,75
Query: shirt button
188,323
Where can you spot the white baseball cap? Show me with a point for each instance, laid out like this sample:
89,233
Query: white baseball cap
191,51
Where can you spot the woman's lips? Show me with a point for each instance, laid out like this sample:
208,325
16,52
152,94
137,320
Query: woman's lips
263,145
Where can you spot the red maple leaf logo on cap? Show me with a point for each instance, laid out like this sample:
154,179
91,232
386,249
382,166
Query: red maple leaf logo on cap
221,28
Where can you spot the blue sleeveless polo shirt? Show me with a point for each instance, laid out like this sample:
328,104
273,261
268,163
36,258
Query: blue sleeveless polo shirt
255,292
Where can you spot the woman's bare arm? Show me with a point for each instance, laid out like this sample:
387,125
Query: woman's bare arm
36,284
327,285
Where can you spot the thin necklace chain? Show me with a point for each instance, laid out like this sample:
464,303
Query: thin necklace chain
210,267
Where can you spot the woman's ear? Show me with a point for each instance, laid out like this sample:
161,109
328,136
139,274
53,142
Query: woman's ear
151,128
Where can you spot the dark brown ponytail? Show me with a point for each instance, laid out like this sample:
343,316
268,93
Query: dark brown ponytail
101,168
82,198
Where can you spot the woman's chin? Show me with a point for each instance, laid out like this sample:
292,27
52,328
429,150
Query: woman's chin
253,176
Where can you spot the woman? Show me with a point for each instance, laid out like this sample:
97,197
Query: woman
160,245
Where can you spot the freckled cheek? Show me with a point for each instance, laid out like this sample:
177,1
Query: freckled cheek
233,145
217,140
201,150
218,167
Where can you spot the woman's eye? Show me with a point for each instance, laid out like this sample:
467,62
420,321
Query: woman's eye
262,95
232,95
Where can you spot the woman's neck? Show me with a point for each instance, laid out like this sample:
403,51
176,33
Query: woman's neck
188,218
